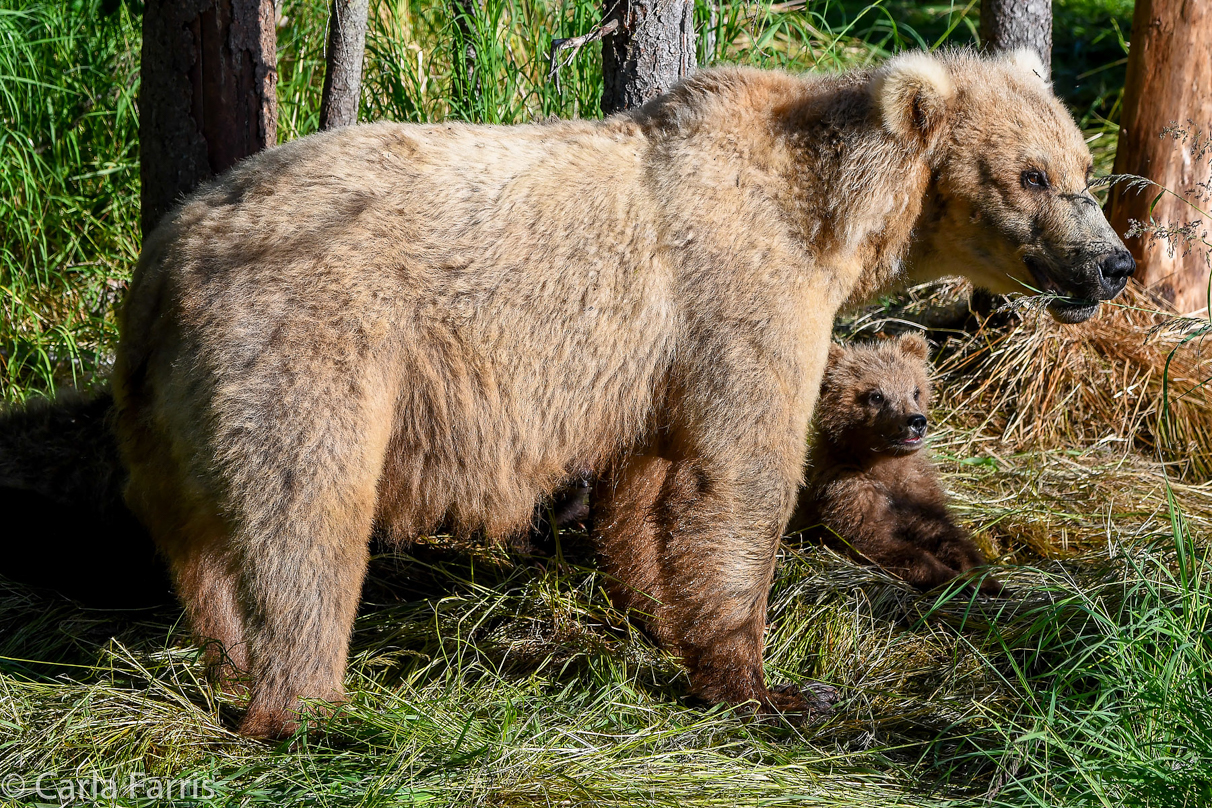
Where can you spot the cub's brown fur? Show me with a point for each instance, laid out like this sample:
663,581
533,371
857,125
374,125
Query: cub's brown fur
66,527
870,489
413,325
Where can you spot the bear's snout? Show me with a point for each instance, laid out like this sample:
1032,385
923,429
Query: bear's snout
917,425
1105,277
1114,269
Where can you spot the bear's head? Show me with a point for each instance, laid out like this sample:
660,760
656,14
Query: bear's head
1009,204
874,398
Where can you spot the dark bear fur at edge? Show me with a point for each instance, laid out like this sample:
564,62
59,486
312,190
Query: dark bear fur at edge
67,527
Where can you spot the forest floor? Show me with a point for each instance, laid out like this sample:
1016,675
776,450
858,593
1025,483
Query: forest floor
479,677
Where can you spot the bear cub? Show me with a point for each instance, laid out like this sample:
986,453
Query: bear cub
870,490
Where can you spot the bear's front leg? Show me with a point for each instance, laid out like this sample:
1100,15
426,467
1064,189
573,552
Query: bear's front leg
692,545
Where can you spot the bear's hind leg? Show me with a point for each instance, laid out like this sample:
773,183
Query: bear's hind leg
301,469
625,532
301,583
205,576
685,553
197,546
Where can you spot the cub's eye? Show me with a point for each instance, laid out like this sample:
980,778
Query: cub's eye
917,395
875,398
1034,178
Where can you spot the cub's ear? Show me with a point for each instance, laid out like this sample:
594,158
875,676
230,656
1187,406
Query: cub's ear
1027,62
836,352
913,345
915,95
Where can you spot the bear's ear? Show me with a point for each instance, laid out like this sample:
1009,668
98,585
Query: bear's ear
913,345
914,93
1027,62
836,352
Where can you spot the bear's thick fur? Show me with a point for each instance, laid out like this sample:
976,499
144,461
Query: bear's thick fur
66,527
870,490
414,325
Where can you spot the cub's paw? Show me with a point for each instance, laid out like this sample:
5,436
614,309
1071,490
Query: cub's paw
994,588
981,580
809,704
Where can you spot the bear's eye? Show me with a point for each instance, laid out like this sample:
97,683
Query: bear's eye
875,398
1034,178
917,395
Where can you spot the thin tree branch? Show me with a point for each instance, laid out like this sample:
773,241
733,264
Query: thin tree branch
574,44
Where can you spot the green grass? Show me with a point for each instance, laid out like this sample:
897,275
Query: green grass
479,678
1118,711
484,679
69,191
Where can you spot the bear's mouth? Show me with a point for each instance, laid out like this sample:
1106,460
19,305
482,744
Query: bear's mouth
907,445
1064,308
1070,311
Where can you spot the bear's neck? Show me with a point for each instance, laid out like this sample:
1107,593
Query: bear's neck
855,191
928,256
831,456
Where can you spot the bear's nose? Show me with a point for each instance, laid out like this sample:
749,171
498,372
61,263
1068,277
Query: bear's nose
917,424
1115,268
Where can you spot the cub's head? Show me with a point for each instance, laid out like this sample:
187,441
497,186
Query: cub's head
874,397
1009,205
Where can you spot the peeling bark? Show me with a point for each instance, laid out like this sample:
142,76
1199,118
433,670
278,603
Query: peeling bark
652,50
206,98
1010,24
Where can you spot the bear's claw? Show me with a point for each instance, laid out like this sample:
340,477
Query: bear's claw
807,704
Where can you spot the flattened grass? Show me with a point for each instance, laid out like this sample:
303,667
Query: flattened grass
480,678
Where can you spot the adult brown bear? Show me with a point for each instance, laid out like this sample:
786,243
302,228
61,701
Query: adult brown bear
414,325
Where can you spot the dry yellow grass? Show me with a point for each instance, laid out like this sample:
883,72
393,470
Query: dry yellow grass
1134,378
1136,374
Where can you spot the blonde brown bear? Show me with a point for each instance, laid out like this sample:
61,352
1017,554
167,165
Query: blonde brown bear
404,326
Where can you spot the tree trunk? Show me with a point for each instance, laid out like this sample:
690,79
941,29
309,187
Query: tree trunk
206,96
652,49
710,34
1169,82
343,68
1010,24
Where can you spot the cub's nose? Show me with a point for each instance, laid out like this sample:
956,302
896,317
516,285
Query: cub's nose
1115,268
917,425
